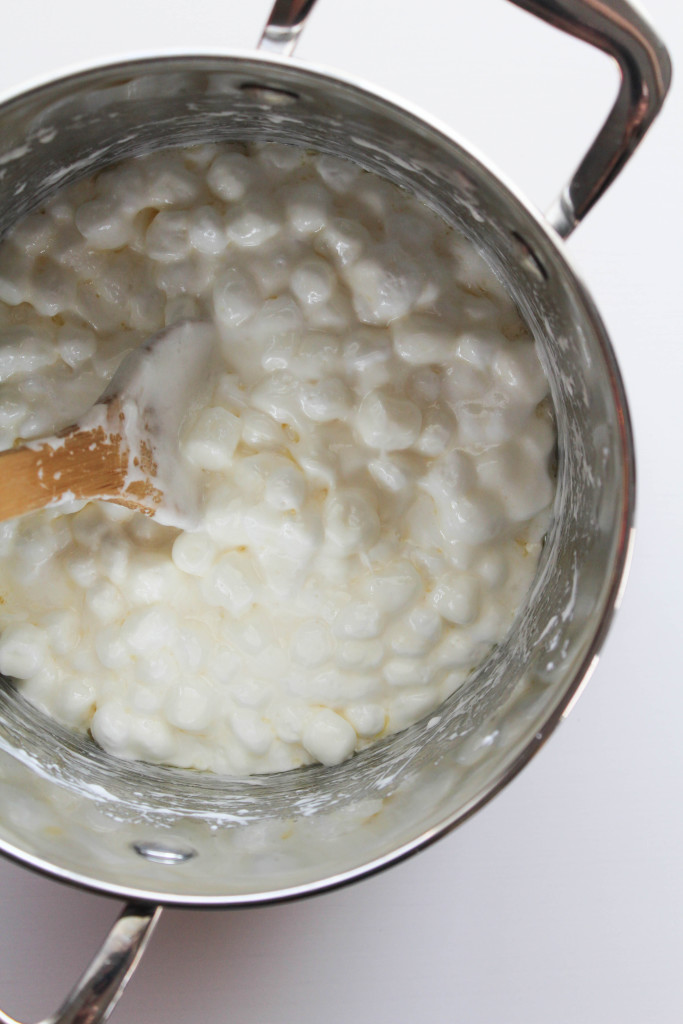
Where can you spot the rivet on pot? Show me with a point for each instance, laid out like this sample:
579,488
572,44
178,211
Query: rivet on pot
162,853
528,258
266,94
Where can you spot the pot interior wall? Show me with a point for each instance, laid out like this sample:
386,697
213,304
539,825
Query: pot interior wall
183,836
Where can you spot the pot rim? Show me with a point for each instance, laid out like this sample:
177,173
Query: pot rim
622,556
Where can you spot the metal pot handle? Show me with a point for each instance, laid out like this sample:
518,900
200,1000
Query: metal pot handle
614,27
96,994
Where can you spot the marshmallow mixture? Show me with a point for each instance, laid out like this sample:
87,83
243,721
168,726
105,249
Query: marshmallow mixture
374,450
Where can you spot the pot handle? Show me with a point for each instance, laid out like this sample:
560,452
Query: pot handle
95,995
614,27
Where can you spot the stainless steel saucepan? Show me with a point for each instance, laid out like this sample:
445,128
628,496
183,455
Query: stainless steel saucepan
159,836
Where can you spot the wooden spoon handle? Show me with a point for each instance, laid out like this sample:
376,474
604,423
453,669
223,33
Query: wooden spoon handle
83,463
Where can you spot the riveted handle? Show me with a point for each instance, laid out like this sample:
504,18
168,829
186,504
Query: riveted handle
96,994
284,26
617,29
614,27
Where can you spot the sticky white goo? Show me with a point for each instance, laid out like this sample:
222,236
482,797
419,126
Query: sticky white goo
374,448
154,390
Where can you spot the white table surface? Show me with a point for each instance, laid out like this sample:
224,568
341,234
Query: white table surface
562,901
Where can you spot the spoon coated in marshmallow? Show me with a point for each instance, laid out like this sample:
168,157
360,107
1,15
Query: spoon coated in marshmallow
125,449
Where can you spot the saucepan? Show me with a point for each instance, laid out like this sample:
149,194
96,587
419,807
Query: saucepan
158,836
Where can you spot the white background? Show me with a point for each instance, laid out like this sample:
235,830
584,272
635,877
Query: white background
562,901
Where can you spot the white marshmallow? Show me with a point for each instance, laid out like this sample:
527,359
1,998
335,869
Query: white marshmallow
373,450
211,442
328,737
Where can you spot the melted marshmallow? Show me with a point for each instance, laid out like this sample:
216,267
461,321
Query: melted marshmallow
373,447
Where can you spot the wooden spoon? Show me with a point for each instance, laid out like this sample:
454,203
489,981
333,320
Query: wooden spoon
124,449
